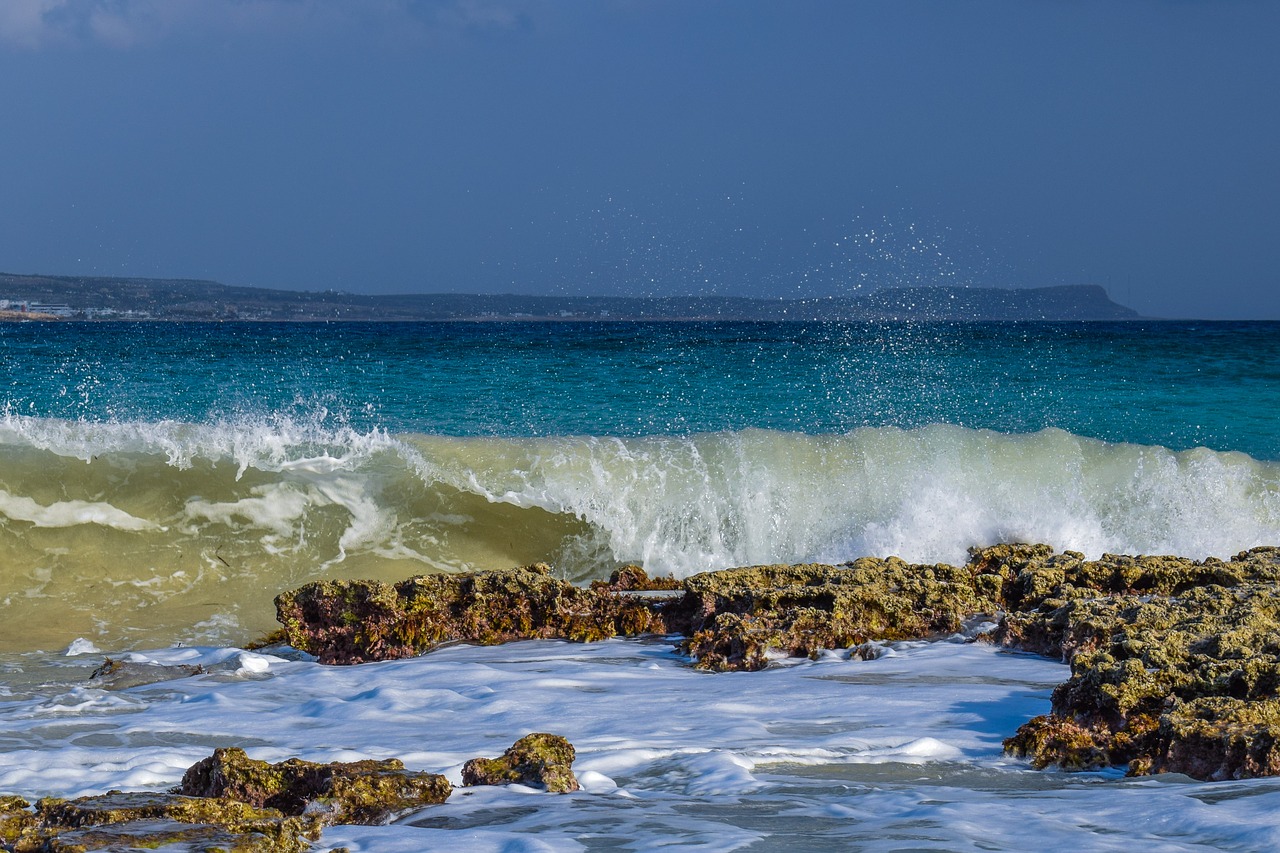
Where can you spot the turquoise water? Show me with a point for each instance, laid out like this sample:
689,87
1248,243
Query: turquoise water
159,484
1170,384
163,481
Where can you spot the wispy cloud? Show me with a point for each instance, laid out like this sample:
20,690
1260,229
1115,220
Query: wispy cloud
37,24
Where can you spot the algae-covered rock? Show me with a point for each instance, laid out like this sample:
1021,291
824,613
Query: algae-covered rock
359,792
742,618
145,820
538,759
632,578
1220,738
227,802
1175,664
153,835
16,818
734,618
350,621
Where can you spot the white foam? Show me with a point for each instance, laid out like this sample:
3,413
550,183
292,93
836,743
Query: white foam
81,646
70,513
688,504
904,750
271,442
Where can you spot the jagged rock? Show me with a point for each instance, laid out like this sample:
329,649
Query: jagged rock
227,802
151,835
16,818
538,759
130,821
632,578
359,792
1175,664
351,621
741,618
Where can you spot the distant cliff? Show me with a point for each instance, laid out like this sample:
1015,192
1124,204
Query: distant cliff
185,299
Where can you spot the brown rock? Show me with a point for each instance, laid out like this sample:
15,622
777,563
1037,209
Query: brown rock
541,760
359,792
355,621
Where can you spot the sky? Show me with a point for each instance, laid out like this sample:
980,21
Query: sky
779,149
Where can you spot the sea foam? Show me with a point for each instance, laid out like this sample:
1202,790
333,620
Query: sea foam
901,752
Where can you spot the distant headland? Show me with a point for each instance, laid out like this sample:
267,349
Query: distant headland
48,297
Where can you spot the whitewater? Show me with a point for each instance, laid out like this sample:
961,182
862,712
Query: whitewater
159,484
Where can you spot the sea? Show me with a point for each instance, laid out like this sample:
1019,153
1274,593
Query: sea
160,483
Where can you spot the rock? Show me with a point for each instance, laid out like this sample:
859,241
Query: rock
1175,664
16,818
540,760
352,621
117,674
742,618
127,821
151,835
632,578
359,792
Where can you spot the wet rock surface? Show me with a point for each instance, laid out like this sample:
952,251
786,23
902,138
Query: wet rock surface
115,674
1175,663
348,622
742,618
132,821
231,803
632,578
16,819
540,760
359,792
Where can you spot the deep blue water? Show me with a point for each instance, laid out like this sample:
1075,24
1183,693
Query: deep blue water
1178,385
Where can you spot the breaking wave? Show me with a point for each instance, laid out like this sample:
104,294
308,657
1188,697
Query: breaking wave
146,532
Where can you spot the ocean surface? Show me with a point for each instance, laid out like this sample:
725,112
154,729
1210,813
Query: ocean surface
160,483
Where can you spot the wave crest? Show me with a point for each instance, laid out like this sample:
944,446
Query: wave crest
152,528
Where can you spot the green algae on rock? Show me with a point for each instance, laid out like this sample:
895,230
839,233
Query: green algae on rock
359,792
16,818
740,618
144,820
1175,664
230,803
352,621
538,759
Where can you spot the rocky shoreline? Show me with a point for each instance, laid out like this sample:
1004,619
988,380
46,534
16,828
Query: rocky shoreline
231,803
1175,663
1175,668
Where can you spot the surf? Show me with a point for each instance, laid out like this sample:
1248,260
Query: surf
146,532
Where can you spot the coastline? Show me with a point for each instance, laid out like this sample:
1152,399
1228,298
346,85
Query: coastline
869,717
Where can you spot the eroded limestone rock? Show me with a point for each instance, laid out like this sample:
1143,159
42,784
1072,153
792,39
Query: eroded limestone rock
130,821
632,578
16,818
741,618
359,792
348,621
540,760
1175,663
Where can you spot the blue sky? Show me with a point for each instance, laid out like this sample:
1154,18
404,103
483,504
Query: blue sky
616,146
